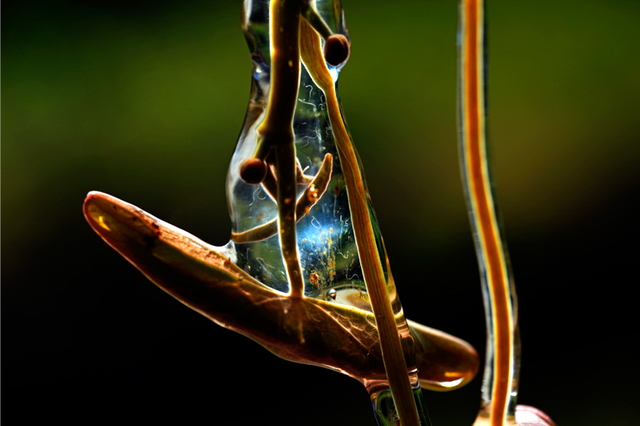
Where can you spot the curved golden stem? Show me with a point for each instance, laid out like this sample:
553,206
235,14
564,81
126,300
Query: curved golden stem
392,353
500,298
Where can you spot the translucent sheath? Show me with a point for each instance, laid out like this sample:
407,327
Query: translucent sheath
328,253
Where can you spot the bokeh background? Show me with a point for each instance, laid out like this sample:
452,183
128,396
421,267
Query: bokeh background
144,100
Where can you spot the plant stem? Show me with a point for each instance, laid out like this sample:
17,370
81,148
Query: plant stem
500,379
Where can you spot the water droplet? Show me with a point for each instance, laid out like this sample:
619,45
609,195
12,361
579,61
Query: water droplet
332,293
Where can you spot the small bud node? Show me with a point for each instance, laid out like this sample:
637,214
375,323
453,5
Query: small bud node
336,50
253,171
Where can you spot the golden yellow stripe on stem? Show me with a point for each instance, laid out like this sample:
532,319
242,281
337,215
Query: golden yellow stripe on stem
482,204
277,129
392,354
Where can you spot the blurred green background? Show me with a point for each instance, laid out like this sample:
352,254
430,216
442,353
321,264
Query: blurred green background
144,100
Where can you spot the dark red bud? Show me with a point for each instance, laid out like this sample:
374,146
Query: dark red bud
253,171
336,49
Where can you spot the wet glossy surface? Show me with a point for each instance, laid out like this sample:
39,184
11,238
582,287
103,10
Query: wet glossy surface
335,335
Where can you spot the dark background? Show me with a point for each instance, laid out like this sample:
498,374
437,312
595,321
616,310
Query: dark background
144,100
